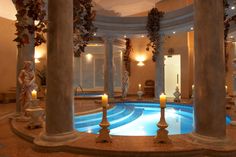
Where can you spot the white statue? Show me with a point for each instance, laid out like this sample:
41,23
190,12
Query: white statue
26,79
125,84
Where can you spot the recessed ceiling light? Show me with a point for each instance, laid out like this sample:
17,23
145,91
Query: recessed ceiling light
233,7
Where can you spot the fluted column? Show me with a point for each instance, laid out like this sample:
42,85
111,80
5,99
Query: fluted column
209,99
59,102
108,67
160,71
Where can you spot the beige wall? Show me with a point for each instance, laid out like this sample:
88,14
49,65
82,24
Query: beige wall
8,52
140,74
182,43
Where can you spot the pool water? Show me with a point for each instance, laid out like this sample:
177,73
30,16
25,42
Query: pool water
140,119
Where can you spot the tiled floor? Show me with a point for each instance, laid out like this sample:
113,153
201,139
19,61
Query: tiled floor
13,146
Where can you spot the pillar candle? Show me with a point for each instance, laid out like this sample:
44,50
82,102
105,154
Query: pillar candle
34,94
139,86
162,100
104,100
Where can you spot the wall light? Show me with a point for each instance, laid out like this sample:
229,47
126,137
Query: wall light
89,57
36,60
140,60
140,63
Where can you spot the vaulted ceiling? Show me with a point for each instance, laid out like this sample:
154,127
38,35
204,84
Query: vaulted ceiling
7,9
103,7
123,7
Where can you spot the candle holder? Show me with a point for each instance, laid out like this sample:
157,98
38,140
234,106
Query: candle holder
104,136
177,94
192,91
162,133
35,113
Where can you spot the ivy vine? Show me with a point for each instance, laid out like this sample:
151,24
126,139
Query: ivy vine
153,28
83,25
30,19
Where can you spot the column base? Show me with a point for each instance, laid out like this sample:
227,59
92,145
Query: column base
56,140
207,141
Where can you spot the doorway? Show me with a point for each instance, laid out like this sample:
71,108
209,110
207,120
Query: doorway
172,74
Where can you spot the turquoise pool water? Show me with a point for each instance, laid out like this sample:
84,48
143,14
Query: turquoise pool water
140,119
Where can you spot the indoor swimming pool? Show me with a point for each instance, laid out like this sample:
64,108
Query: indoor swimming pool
140,119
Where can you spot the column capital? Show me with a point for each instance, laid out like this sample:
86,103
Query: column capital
109,38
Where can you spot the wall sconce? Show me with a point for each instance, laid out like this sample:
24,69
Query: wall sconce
89,57
36,60
140,60
140,63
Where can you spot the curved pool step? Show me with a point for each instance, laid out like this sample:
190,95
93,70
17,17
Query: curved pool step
115,123
127,111
113,110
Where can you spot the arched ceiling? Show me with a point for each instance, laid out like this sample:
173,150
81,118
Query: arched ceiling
123,7
103,7
7,9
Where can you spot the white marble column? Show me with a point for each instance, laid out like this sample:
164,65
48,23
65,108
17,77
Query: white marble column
108,67
59,101
209,100
160,72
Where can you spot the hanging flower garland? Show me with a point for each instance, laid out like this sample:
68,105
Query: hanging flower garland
83,25
126,56
30,18
153,28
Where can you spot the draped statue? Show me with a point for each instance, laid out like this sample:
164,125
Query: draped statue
26,79
125,84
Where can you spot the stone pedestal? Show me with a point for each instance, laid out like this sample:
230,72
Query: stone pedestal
108,67
209,96
140,94
35,112
59,127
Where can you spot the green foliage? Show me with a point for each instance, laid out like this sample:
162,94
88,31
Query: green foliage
30,19
83,25
153,28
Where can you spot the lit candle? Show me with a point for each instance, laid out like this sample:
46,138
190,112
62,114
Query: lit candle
104,100
34,94
139,86
162,100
